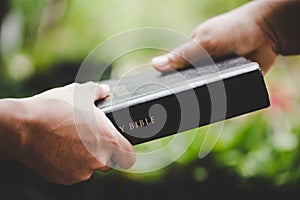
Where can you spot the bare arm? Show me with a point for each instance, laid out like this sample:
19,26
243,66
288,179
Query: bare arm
12,129
282,24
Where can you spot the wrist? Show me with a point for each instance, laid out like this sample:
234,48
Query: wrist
14,125
277,19
258,12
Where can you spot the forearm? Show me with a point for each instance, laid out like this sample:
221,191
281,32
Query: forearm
12,129
281,21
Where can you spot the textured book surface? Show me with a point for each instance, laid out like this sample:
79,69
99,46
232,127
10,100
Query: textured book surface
152,105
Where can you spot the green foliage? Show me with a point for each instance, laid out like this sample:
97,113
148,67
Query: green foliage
263,145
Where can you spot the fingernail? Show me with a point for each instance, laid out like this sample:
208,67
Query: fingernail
161,63
105,88
163,68
161,60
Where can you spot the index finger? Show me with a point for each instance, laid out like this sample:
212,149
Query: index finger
122,152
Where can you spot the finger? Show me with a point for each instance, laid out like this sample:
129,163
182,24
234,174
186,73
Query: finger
111,164
180,57
105,163
264,56
121,151
219,36
101,91
104,168
209,39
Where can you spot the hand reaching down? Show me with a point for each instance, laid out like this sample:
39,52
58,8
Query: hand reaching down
258,30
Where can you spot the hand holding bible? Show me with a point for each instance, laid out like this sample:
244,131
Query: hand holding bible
50,142
258,30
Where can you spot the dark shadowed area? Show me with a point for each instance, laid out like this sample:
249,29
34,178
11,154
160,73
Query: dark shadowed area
44,42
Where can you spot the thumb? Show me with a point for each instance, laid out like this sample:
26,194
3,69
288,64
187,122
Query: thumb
180,57
101,91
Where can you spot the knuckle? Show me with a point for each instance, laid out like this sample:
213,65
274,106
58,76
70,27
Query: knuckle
206,40
210,44
97,164
89,84
177,58
86,177
100,89
113,138
128,148
82,177
181,54
68,87
73,85
105,168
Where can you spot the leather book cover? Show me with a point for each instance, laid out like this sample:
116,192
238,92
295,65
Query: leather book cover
153,105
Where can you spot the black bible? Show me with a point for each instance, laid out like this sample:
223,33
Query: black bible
153,105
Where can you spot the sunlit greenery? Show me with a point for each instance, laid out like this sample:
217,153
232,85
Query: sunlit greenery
38,36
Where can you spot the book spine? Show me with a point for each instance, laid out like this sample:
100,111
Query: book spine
192,108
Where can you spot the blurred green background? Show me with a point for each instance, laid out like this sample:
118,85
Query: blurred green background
43,43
